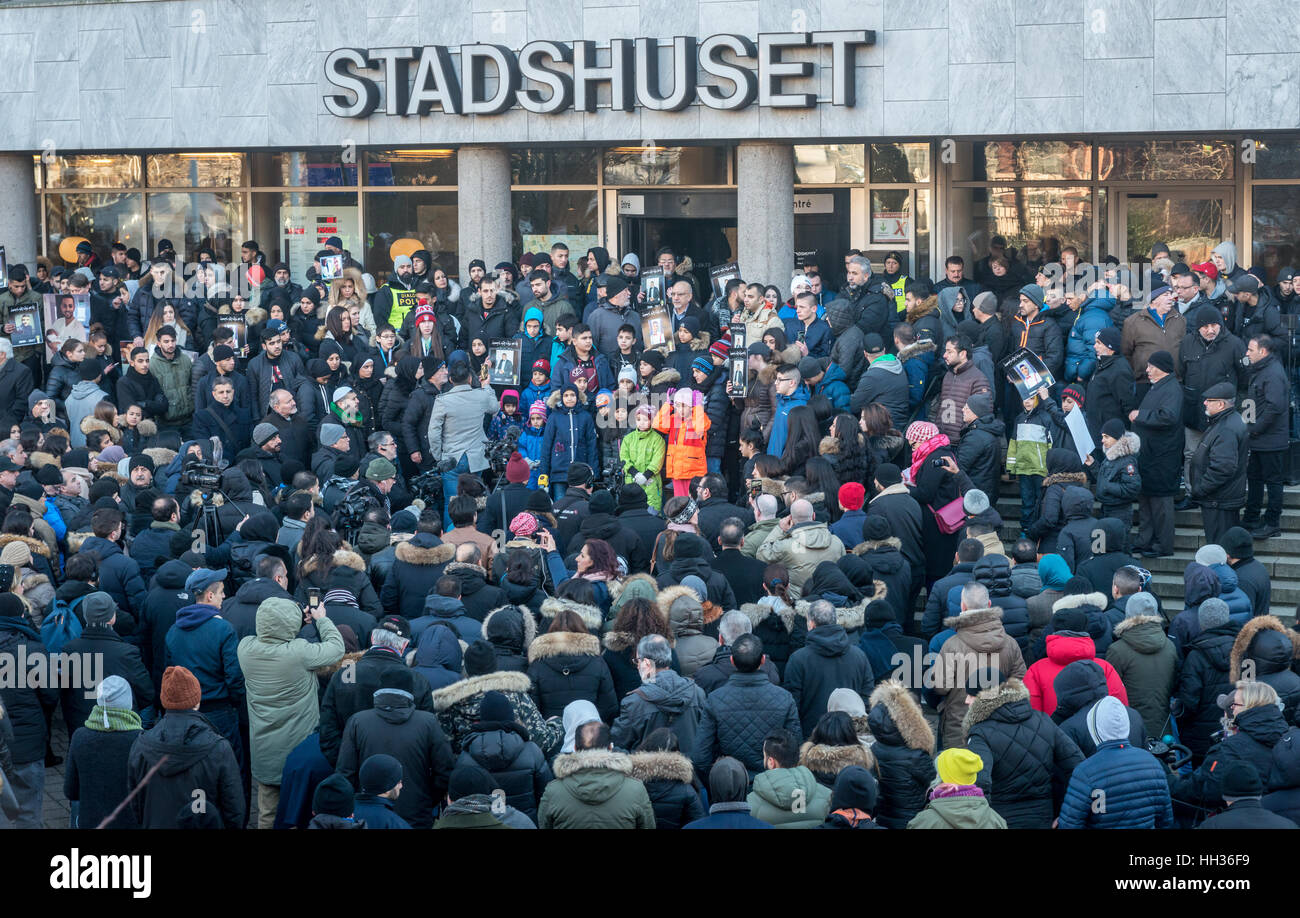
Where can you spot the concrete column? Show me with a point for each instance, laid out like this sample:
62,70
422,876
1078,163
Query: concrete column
483,208
765,208
19,224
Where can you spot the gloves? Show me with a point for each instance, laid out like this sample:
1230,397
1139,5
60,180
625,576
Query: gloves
640,478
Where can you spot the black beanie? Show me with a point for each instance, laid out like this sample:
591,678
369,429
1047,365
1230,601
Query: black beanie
888,475
333,797
88,370
480,658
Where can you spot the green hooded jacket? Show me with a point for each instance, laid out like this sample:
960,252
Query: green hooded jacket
643,451
283,708
789,798
594,789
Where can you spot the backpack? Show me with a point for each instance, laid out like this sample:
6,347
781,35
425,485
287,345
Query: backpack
61,625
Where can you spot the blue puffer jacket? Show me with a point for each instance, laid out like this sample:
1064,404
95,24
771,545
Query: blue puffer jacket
1239,608
530,447
1135,788
835,387
1080,358
570,437
119,576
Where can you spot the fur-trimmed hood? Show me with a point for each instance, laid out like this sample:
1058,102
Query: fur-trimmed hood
916,349
850,618
905,713
616,587
666,376
161,456
922,309
76,538
553,400
590,760
466,689
90,423
891,542
974,618
1130,623
692,622
831,760
36,545
619,641
1079,600
591,615
758,612
1249,632
563,643
1066,478
662,766
829,447
530,623
990,700
1127,445
347,659
424,557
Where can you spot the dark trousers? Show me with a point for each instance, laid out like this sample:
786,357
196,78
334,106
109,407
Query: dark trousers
1217,522
1265,469
1031,493
1156,523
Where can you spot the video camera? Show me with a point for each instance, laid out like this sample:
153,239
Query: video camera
427,487
499,451
205,476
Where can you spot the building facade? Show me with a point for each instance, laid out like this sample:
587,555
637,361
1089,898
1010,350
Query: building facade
754,131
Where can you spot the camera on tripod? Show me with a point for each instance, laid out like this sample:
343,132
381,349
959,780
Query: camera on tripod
205,476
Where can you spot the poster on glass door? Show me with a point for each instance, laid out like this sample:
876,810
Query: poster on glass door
303,231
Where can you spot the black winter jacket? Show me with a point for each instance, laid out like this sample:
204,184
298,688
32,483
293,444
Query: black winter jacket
352,689
198,758
516,763
1159,425
1270,392
902,748
980,453
1217,472
670,781
1027,759
1203,679
827,661
737,717
24,707
566,667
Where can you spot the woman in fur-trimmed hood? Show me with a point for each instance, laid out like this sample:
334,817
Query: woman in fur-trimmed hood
1265,650
457,706
833,747
681,606
1025,755
417,565
346,571
552,606
510,630
903,747
669,779
565,665
90,423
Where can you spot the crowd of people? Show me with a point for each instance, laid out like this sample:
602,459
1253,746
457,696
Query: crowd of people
325,555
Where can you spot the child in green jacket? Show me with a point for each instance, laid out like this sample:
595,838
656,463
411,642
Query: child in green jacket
642,454
1035,431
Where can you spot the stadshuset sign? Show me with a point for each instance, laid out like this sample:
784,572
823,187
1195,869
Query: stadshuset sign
546,77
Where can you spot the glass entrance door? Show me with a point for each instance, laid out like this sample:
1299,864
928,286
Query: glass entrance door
1190,222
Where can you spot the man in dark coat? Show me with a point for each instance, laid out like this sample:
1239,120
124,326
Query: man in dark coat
1110,392
714,508
15,385
1252,576
634,514
894,501
1216,474
119,576
731,627
140,387
1242,790
198,759
24,707
740,712
417,565
506,500
1158,421
353,687
745,574
979,447
1268,398
883,381
394,726
872,311
827,661
113,656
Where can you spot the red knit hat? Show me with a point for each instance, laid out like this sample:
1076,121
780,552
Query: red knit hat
852,495
721,348
424,312
517,470
180,690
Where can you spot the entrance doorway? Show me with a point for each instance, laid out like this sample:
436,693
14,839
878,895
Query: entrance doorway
1191,222
700,224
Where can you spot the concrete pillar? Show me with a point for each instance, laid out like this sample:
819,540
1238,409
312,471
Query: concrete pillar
483,208
19,223
765,211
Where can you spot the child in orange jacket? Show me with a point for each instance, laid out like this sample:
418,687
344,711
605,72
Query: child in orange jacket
685,426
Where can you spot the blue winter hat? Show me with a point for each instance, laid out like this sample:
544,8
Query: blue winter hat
534,313
703,364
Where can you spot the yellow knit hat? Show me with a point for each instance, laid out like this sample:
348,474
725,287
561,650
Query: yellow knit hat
958,766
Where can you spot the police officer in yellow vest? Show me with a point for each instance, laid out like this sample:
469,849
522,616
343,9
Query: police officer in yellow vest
894,278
